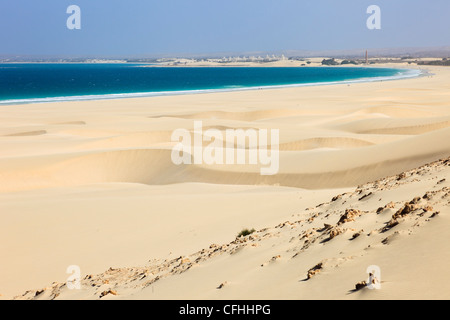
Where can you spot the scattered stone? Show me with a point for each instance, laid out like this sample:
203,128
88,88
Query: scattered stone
335,232
357,234
223,284
428,196
407,208
349,215
391,224
39,292
105,293
360,285
435,214
340,196
275,258
401,176
416,200
336,198
365,196
315,270
390,205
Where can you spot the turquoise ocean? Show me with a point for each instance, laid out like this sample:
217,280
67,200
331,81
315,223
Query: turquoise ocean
39,82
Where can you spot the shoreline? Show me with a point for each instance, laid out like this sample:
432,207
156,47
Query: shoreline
419,73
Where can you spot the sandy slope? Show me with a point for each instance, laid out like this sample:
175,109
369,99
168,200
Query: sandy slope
92,184
400,224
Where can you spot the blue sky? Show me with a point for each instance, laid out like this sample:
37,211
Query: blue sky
146,27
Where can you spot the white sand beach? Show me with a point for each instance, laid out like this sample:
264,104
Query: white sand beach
92,184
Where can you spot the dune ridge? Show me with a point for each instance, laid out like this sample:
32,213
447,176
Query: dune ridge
153,166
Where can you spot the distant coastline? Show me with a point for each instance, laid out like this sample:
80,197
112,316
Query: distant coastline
249,61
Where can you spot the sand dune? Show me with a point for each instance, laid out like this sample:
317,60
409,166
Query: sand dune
153,166
92,184
400,223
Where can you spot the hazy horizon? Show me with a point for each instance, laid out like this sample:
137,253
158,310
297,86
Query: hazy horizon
352,53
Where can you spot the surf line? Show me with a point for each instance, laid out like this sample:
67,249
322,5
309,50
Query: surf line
234,146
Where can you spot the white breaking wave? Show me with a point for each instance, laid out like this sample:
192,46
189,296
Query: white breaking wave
402,74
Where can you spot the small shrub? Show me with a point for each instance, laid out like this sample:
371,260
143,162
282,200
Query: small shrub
329,62
349,62
245,232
